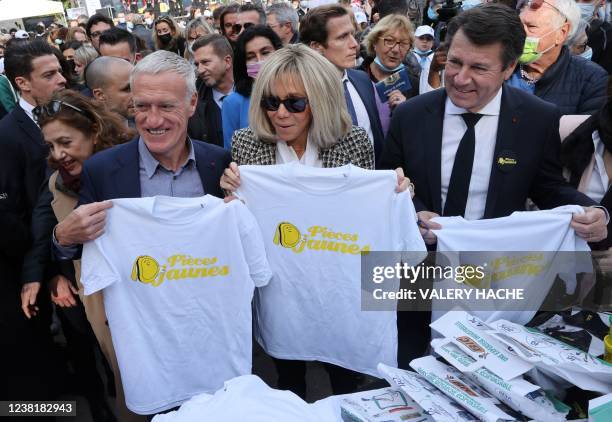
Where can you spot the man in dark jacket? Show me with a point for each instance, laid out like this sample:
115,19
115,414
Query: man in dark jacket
213,57
33,70
548,70
142,32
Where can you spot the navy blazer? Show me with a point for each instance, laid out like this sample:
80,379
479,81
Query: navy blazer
525,162
115,172
363,85
23,168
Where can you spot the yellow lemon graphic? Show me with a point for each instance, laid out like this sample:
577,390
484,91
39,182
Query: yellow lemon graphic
287,235
145,269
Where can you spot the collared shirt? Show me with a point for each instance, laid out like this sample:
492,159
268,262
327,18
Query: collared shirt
286,154
486,136
27,107
363,120
155,179
599,181
219,96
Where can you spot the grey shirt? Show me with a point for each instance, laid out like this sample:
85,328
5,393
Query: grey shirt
155,180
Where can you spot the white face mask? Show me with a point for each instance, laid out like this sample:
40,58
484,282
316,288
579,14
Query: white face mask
130,25
149,21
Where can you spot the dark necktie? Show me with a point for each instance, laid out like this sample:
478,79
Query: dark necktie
349,104
459,185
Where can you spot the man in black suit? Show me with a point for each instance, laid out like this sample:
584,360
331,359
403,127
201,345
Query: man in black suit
477,148
33,70
515,144
329,30
213,57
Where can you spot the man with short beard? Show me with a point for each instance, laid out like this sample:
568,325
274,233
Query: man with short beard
213,58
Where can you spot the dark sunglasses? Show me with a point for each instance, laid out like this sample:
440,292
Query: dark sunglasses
237,27
536,4
292,104
53,107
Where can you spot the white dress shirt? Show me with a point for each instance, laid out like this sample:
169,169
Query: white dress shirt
27,107
486,136
363,120
286,154
599,181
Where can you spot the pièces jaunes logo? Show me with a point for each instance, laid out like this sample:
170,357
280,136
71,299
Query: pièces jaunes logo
317,238
147,270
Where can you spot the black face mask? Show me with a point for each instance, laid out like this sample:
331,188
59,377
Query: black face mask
166,38
72,66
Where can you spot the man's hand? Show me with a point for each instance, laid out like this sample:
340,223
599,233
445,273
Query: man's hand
396,98
426,226
591,226
403,182
230,181
83,224
62,292
29,291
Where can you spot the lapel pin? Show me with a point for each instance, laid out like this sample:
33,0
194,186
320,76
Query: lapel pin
506,160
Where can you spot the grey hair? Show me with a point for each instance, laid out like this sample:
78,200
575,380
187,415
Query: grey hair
198,23
570,10
303,66
580,30
163,61
137,19
85,54
284,13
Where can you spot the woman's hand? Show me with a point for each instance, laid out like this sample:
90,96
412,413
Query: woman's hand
62,292
230,181
395,98
403,182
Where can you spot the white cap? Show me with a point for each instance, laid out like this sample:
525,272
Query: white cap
424,30
22,34
207,13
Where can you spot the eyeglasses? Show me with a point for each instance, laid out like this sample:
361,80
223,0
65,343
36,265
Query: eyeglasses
96,34
536,4
53,107
391,43
237,27
292,104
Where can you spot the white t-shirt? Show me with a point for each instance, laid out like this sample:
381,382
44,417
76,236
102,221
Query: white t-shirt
507,246
249,399
315,222
178,276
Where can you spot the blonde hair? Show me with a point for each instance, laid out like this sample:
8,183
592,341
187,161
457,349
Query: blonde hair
389,23
301,65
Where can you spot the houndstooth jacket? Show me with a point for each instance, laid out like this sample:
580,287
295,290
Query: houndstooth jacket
355,148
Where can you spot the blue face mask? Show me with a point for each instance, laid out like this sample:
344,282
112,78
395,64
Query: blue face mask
587,10
385,68
587,54
431,14
423,53
469,4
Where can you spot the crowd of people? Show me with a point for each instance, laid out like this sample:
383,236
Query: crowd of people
145,105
